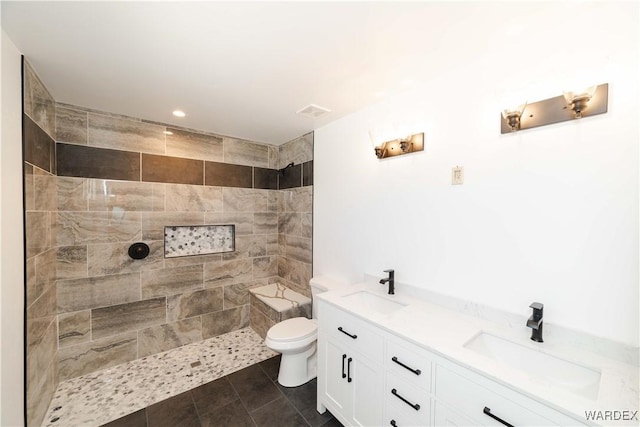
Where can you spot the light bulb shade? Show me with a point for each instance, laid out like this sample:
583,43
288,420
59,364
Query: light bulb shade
585,94
516,111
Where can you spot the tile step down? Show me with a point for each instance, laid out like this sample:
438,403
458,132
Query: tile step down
97,398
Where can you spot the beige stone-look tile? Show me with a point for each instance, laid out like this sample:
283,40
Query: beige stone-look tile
31,290
262,307
71,261
153,223
294,271
124,134
157,339
72,194
307,225
247,153
272,244
261,200
272,201
38,102
29,195
113,258
242,220
299,249
281,201
108,195
117,319
303,310
248,246
38,232
299,199
265,267
44,307
95,355
265,222
273,157
79,228
282,244
191,260
228,272
194,145
298,151
238,200
189,198
40,393
91,292
194,303
238,294
171,281
45,268
303,289
158,197
290,223
221,322
44,192
74,328
71,125
40,361
260,323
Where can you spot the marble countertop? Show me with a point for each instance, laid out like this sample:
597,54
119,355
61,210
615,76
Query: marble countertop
444,331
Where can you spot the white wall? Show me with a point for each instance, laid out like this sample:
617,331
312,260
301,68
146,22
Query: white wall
547,214
11,247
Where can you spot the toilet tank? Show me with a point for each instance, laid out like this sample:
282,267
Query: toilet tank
319,285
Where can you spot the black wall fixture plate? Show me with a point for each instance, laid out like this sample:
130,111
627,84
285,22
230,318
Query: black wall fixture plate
139,250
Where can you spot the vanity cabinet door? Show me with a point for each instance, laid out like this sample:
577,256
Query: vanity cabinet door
367,393
336,390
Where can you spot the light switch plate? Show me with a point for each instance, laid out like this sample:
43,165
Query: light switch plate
457,175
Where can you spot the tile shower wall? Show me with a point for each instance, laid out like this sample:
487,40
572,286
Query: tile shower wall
113,309
40,207
295,217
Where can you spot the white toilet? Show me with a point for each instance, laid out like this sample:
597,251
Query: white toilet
296,339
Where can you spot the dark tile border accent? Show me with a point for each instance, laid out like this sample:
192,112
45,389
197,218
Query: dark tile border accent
307,173
175,170
265,178
91,162
291,178
227,175
39,147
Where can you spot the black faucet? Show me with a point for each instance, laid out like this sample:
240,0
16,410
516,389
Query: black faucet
535,321
389,279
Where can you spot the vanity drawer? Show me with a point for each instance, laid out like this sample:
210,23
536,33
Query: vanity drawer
408,362
470,400
404,401
351,331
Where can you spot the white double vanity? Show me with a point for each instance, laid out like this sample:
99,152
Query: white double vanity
399,360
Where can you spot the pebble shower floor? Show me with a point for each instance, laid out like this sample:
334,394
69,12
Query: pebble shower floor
103,396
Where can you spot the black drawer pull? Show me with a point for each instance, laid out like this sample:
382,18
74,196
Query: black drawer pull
349,370
393,423
415,371
487,411
347,333
413,405
344,356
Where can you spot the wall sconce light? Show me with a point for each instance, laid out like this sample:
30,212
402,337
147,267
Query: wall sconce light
578,101
512,116
572,105
396,147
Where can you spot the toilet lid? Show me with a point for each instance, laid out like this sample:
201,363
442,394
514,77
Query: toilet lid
292,329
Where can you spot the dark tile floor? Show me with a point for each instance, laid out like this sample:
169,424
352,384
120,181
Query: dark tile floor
251,397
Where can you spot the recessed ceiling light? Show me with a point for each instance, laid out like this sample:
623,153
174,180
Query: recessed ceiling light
179,113
168,132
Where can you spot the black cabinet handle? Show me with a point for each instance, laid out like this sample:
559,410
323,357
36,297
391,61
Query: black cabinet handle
487,411
344,356
349,370
347,333
415,371
393,423
413,405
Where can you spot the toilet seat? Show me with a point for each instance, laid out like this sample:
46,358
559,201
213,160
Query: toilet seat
295,329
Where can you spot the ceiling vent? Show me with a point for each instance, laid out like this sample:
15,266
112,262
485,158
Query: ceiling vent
313,111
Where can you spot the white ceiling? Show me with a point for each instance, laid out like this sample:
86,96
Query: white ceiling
243,68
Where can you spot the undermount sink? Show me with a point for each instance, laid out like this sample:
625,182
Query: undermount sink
540,366
372,302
